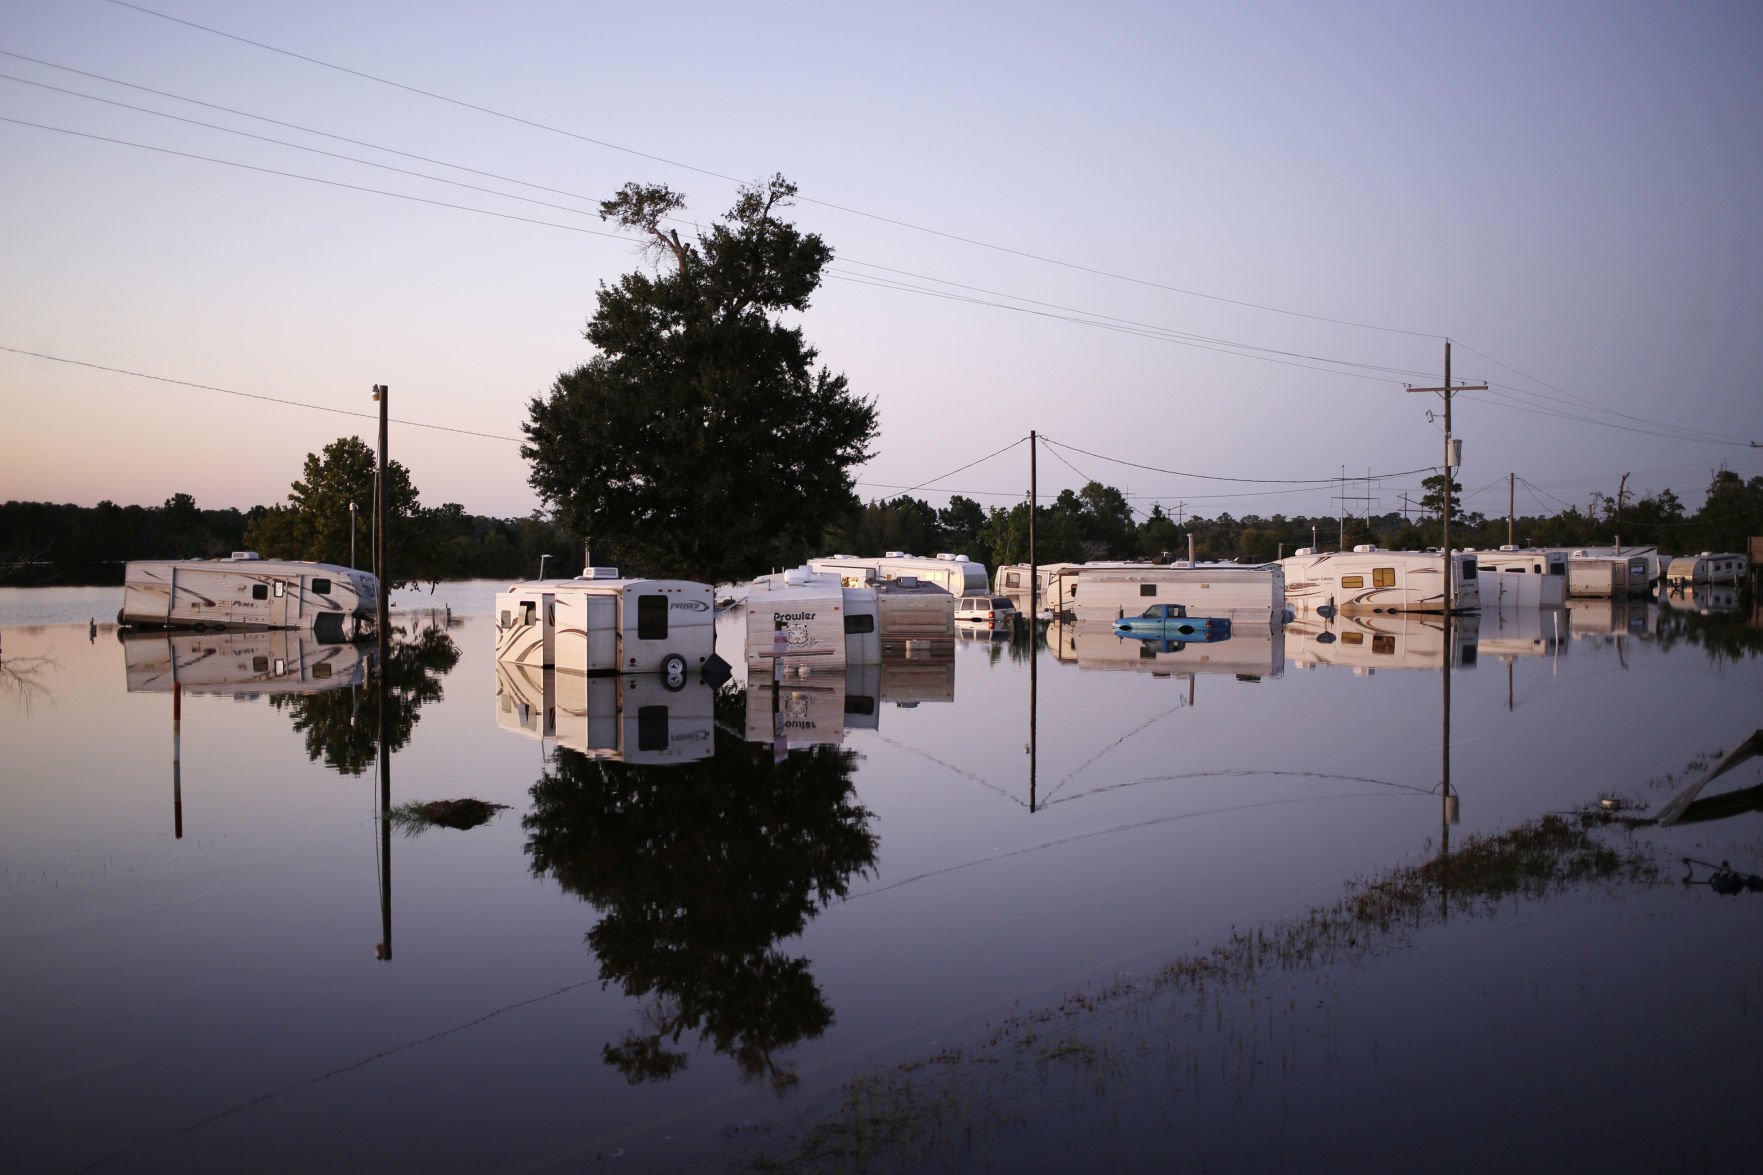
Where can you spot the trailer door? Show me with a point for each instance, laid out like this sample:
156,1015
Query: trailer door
278,603
602,627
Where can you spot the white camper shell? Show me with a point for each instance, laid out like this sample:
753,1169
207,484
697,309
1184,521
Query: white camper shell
1706,568
956,574
598,623
812,620
1367,579
246,591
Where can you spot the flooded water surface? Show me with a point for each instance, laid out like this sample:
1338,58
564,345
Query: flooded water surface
1300,896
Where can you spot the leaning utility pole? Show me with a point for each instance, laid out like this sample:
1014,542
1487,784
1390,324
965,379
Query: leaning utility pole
1452,449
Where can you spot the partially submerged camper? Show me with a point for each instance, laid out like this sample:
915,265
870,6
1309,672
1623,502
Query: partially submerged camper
1367,579
1611,571
1252,593
811,619
1706,568
1516,577
599,623
246,591
956,574
913,616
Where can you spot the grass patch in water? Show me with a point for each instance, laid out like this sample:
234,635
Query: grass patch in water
418,816
908,1118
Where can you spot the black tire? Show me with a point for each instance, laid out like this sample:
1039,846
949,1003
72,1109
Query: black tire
673,673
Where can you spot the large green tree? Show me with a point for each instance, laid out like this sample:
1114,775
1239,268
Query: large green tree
701,440
315,522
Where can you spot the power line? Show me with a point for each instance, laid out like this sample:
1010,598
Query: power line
1312,482
1069,314
849,210
251,395
953,472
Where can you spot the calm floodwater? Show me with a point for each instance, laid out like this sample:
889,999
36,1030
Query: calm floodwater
215,959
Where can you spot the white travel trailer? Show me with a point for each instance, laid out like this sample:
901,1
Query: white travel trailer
1241,593
1609,571
1367,579
1367,641
246,591
913,615
956,574
1706,568
823,623
1013,580
1522,578
599,623
241,664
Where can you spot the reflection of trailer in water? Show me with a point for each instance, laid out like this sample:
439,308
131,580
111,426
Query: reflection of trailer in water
634,719
815,710
526,699
1252,651
240,663
1367,642
246,591
599,623
1522,632
1704,598
1612,616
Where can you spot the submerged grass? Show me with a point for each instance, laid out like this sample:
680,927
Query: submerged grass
418,816
931,1113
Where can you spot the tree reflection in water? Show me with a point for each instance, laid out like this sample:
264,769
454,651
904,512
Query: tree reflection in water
340,725
700,870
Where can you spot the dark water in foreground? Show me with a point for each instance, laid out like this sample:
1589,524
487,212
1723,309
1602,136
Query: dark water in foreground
930,919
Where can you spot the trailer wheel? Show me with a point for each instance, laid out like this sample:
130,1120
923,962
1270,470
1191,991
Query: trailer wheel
673,672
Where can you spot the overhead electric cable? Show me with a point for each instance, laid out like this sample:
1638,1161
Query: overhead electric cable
312,179
253,395
1315,482
536,125
969,465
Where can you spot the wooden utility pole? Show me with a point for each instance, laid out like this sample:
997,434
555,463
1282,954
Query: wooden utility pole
1511,500
1445,513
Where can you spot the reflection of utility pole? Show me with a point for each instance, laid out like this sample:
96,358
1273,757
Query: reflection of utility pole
177,753
1453,451
384,642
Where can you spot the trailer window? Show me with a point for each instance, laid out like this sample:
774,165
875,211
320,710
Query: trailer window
260,591
1013,579
1352,638
527,611
859,624
1384,645
322,669
1147,589
1352,581
1469,569
651,618
1383,577
859,704
281,589
322,586
260,664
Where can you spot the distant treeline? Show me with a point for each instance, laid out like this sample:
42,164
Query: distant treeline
46,543
1098,522
49,543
